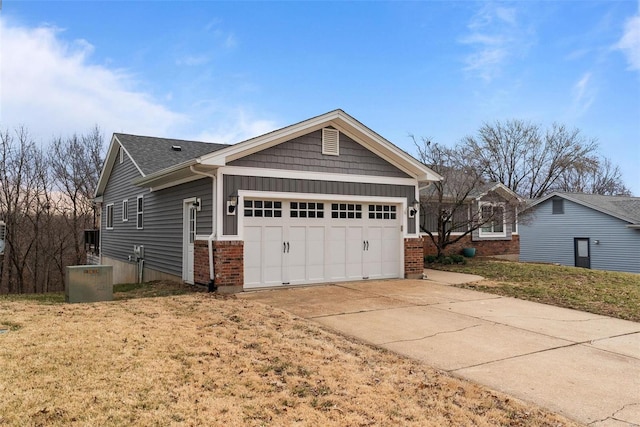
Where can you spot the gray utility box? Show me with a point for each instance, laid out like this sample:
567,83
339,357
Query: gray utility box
89,283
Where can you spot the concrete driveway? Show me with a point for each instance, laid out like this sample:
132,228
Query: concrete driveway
584,366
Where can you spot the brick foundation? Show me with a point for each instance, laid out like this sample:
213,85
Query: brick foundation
413,258
483,247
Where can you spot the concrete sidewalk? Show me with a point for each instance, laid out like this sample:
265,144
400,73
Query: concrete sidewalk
582,365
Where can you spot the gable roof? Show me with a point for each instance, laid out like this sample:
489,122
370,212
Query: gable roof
158,164
621,207
151,154
459,180
339,120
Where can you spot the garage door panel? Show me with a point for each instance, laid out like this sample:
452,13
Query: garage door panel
315,253
252,255
310,243
296,256
272,251
337,253
354,246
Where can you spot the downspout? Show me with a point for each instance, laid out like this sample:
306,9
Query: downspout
212,287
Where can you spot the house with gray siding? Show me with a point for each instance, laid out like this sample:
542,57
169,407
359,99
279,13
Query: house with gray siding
583,230
326,199
486,218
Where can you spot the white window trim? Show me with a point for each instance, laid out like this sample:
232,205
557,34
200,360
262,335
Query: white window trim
121,152
125,210
109,214
503,233
139,213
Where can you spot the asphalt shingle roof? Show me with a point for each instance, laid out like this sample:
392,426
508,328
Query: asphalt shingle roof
619,206
152,154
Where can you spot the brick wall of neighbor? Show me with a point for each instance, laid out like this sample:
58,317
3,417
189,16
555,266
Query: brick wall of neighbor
483,247
228,263
201,262
413,258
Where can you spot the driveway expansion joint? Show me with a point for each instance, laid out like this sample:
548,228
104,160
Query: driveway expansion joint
613,416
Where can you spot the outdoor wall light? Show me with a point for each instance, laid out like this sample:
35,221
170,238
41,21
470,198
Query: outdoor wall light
597,242
413,209
197,204
232,203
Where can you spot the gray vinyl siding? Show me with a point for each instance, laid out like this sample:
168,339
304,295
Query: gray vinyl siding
546,237
233,183
162,232
305,153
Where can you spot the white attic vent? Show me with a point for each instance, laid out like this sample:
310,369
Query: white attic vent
330,141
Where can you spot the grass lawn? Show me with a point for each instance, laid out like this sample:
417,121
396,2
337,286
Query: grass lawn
202,359
601,292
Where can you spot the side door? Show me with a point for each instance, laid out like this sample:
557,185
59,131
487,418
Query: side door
582,252
188,239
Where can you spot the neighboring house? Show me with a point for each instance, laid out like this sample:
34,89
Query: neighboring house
323,200
498,237
583,230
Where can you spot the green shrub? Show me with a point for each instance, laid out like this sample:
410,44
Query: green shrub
430,259
457,259
446,261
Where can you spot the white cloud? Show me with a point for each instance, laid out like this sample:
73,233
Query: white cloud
495,35
50,86
629,43
53,87
230,125
584,95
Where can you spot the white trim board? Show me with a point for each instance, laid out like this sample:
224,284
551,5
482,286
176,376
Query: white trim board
317,176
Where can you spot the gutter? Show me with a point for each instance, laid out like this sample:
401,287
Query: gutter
212,287
634,226
148,178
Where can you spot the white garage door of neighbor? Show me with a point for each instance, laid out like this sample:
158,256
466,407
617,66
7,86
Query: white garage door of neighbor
299,242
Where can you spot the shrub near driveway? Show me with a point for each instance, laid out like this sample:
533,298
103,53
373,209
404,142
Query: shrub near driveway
199,360
602,292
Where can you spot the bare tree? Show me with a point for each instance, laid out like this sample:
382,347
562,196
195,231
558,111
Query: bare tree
448,210
20,164
76,163
525,158
595,175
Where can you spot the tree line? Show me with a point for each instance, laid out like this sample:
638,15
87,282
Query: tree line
46,203
527,158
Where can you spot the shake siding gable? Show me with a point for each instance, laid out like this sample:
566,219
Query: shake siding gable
162,233
548,237
305,154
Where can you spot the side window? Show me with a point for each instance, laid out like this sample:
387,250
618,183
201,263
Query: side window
110,216
557,207
140,213
125,210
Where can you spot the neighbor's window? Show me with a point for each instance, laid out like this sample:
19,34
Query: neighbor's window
125,210
493,214
110,216
140,213
557,206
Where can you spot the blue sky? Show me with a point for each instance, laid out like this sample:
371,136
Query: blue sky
226,71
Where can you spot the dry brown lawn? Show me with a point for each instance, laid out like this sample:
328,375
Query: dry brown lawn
198,359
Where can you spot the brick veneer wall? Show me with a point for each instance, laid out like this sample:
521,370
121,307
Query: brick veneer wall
228,263
201,262
413,258
483,247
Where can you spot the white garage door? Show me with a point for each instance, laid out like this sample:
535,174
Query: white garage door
299,242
